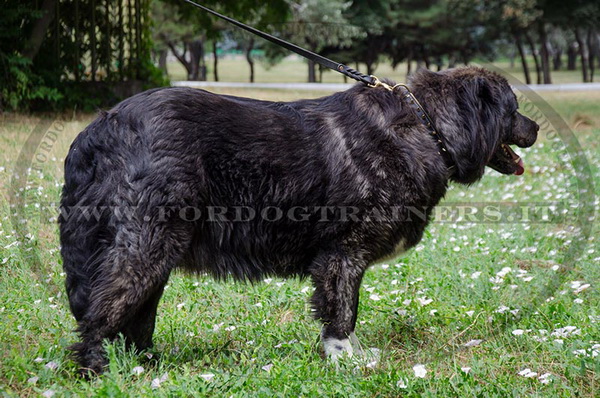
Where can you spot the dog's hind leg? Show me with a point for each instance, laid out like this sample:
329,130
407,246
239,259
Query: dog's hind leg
132,275
337,280
139,329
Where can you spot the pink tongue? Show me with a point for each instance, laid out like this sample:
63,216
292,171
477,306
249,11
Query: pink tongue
520,169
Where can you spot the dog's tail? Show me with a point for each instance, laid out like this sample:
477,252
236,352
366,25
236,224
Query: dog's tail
81,218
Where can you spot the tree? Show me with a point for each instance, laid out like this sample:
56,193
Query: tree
186,30
61,51
373,18
517,16
317,24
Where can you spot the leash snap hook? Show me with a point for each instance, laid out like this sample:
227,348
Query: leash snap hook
379,83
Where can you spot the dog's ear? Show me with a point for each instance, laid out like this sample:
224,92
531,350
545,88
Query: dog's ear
484,92
479,109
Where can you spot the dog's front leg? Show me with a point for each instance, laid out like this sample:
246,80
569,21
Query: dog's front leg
337,278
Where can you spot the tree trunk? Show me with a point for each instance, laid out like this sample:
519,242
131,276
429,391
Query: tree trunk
557,59
370,69
107,39
196,49
93,41
572,56
162,60
215,61
545,54
427,62
121,41
39,29
408,67
312,76
521,50
583,53
536,61
591,52
181,57
249,49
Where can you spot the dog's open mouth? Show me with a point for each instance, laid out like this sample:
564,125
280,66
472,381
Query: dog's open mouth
506,161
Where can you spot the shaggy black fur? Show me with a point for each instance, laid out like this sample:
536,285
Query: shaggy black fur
158,158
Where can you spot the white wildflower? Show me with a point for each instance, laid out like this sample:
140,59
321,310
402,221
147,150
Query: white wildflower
566,331
207,376
527,373
217,327
545,378
158,381
424,301
581,288
420,371
51,365
267,368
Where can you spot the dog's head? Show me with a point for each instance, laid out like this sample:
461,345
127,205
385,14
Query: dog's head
476,111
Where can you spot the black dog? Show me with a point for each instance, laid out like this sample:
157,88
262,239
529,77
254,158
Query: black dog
246,188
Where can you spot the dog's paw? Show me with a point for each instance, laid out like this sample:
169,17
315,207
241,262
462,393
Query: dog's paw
336,349
350,352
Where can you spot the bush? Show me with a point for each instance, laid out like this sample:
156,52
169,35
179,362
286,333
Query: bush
21,86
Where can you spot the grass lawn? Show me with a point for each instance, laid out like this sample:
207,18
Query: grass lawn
234,68
489,309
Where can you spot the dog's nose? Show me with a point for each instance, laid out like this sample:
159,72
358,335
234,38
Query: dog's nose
537,127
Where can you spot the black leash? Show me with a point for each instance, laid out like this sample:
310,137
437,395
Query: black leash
371,81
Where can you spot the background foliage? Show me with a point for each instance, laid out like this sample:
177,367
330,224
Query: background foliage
89,53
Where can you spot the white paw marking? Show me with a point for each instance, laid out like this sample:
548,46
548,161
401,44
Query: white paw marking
335,348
